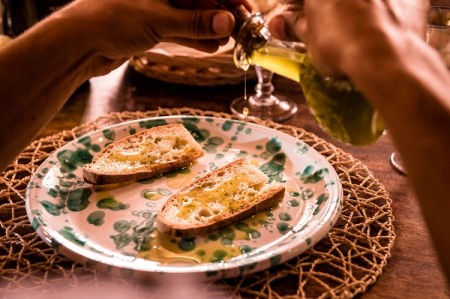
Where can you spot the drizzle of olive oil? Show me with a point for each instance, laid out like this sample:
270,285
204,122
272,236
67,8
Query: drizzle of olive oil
245,85
208,201
151,195
150,150
254,162
99,195
141,154
167,250
180,180
245,110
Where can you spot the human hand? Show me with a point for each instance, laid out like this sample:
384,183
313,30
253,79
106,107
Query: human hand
210,4
334,30
116,29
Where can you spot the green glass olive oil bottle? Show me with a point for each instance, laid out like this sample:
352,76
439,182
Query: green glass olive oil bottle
339,108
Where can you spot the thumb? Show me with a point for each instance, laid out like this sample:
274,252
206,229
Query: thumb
200,24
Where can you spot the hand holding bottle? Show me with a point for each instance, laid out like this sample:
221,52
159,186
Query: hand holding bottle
339,108
380,46
334,30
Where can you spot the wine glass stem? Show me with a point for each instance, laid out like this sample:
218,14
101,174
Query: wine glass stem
264,88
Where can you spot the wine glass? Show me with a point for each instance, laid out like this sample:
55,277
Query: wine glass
264,103
437,36
397,163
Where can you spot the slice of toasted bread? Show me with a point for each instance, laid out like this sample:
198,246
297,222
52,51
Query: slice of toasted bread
226,195
144,155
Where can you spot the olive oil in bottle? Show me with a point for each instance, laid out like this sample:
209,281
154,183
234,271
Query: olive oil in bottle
338,107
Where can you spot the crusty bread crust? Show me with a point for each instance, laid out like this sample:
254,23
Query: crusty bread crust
168,223
147,154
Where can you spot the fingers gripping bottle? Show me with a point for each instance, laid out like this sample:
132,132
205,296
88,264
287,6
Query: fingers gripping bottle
338,107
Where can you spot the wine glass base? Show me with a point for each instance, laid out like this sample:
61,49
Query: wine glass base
281,109
397,163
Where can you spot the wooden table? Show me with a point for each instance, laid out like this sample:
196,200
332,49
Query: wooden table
413,271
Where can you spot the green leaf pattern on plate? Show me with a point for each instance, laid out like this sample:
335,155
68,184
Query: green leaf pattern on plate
121,218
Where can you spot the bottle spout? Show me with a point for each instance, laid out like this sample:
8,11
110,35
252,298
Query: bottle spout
240,57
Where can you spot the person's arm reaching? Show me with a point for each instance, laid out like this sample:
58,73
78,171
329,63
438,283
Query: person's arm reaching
41,68
381,48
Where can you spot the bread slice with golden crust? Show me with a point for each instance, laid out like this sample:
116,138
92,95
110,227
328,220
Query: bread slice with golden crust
226,195
144,155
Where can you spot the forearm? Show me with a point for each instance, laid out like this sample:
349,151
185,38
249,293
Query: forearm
84,39
41,69
410,86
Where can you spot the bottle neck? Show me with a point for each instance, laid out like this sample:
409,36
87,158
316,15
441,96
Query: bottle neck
251,34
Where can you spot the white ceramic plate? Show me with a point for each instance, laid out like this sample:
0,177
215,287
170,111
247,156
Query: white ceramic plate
112,227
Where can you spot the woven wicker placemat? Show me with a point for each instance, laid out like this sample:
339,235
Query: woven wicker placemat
205,71
343,264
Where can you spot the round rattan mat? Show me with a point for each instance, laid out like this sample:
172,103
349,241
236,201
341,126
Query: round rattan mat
343,264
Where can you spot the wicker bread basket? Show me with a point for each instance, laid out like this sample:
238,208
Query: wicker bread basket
177,64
